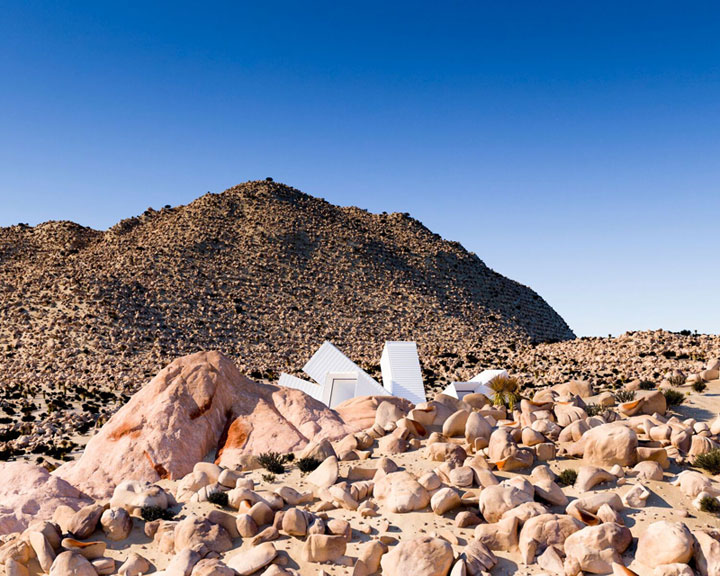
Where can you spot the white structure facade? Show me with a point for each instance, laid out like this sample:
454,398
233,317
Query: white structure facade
480,384
337,378
401,371
310,388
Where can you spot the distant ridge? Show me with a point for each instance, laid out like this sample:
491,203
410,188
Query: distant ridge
261,272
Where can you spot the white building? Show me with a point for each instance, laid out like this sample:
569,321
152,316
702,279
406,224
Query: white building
337,378
401,371
480,384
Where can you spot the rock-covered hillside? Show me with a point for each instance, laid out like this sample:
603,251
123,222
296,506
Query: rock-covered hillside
262,273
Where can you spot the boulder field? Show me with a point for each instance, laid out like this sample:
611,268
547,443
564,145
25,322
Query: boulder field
565,483
197,405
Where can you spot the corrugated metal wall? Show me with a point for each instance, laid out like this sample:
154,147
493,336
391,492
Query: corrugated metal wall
329,359
401,371
310,388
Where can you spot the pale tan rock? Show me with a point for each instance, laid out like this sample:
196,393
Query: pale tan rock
496,500
503,535
691,483
43,551
261,513
193,532
228,478
673,570
424,556
182,563
430,481
545,530
387,415
444,500
648,470
71,564
551,561
548,491
586,507
323,548
14,568
295,522
706,553
85,521
545,451
30,493
610,444
133,495
134,565
462,477
590,476
400,492
467,519
326,474
192,398
90,550
246,526
477,431
525,511
370,553
455,424
478,558
103,566
595,548
116,523
636,496
664,542
212,567
246,562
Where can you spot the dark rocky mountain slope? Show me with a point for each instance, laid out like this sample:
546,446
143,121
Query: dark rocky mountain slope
261,272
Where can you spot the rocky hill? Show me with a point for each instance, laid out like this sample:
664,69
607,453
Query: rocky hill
262,273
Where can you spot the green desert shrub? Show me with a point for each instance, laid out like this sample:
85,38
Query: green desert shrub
699,386
625,396
676,380
709,461
150,513
709,504
673,397
647,385
567,477
218,497
269,478
308,464
273,462
594,409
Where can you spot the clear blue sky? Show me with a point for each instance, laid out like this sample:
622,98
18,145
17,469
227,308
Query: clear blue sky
574,146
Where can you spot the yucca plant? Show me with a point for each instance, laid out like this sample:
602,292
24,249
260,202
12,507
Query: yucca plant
507,391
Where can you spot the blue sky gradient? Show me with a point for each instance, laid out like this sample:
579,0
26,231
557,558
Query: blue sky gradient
573,146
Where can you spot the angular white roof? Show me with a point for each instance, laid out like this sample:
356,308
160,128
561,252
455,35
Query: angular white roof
401,371
487,376
461,389
310,388
329,359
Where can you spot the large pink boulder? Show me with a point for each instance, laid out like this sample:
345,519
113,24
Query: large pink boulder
359,413
197,405
29,492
